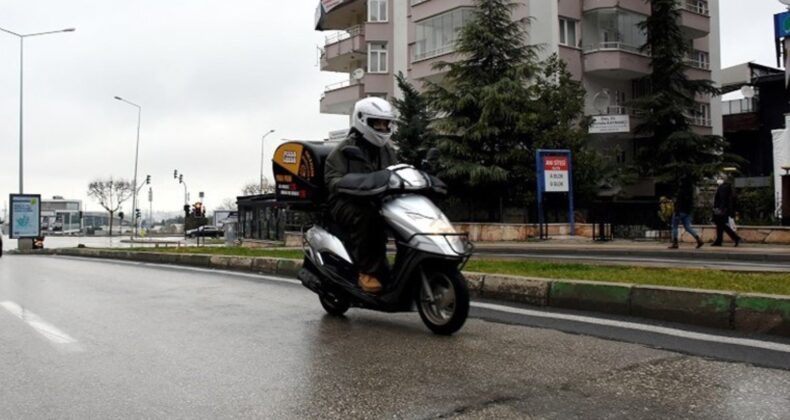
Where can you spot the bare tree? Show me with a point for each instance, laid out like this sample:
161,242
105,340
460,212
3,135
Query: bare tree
110,194
228,204
256,188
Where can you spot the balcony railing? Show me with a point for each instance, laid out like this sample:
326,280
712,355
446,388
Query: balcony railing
341,85
699,7
739,106
613,46
424,55
416,2
616,110
344,35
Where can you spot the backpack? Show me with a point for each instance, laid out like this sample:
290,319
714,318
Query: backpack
666,208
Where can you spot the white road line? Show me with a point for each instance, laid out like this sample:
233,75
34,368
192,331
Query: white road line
767,345
187,268
49,331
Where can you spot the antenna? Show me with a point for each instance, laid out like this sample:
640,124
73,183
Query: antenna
359,73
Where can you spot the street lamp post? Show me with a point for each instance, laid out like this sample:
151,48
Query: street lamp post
136,154
263,138
180,178
21,90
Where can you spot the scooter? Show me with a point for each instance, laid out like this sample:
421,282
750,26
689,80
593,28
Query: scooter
428,260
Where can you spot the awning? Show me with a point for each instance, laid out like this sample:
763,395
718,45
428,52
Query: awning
324,7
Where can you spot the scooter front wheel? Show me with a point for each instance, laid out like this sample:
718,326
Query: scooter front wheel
333,305
443,300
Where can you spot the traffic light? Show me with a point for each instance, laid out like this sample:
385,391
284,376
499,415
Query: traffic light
120,215
181,179
175,173
137,213
148,179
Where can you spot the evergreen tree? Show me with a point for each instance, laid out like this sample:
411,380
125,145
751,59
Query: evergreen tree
486,109
672,152
561,124
414,135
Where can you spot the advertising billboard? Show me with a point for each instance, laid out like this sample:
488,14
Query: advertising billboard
25,217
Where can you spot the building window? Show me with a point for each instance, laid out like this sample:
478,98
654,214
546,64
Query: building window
700,115
436,36
377,10
377,57
568,32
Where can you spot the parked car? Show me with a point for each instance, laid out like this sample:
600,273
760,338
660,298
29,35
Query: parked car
204,231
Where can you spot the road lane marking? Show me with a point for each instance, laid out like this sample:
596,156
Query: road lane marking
767,345
49,331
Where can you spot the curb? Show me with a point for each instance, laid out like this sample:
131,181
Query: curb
744,312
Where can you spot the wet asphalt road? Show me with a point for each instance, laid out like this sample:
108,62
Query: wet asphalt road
98,339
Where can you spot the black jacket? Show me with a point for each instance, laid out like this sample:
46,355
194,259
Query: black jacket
684,202
339,163
724,200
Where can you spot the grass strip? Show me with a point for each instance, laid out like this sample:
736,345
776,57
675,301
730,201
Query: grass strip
745,282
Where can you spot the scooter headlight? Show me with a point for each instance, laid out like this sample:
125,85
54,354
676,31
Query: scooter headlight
431,224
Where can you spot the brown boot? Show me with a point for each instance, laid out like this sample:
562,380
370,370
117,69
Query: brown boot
369,284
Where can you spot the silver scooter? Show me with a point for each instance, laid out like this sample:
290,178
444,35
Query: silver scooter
428,260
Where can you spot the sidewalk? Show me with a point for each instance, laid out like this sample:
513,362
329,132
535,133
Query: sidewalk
654,249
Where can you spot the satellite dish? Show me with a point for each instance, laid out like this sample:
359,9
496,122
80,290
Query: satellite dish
358,74
748,91
601,100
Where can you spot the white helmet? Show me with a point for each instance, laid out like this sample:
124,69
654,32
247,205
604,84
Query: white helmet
369,111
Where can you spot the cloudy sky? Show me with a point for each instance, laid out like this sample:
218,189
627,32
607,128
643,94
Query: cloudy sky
212,78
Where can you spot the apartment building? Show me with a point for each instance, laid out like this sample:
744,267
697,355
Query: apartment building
369,41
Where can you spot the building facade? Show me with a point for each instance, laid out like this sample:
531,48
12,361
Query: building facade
61,216
369,41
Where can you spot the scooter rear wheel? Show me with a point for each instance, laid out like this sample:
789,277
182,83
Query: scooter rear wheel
333,305
445,309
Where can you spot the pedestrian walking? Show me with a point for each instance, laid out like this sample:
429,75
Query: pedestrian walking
684,207
723,210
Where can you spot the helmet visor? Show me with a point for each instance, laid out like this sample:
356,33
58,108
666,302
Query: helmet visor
380,125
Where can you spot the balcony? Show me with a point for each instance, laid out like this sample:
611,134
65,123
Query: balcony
344,49
638,6
695,18
614,60
341,15
339,98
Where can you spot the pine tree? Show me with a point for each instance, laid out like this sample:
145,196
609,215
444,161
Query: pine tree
672,152
561,124
486,109
414,136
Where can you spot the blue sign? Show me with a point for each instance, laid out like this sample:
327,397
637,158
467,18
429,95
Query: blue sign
782,25
25,216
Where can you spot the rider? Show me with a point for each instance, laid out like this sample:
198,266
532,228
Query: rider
371,128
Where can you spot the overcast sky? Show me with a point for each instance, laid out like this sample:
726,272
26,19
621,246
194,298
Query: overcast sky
212,78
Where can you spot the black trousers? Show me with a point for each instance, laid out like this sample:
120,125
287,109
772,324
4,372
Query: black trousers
722,225
365,234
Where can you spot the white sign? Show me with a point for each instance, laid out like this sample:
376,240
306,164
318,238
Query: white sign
555,173
25,216
610,124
